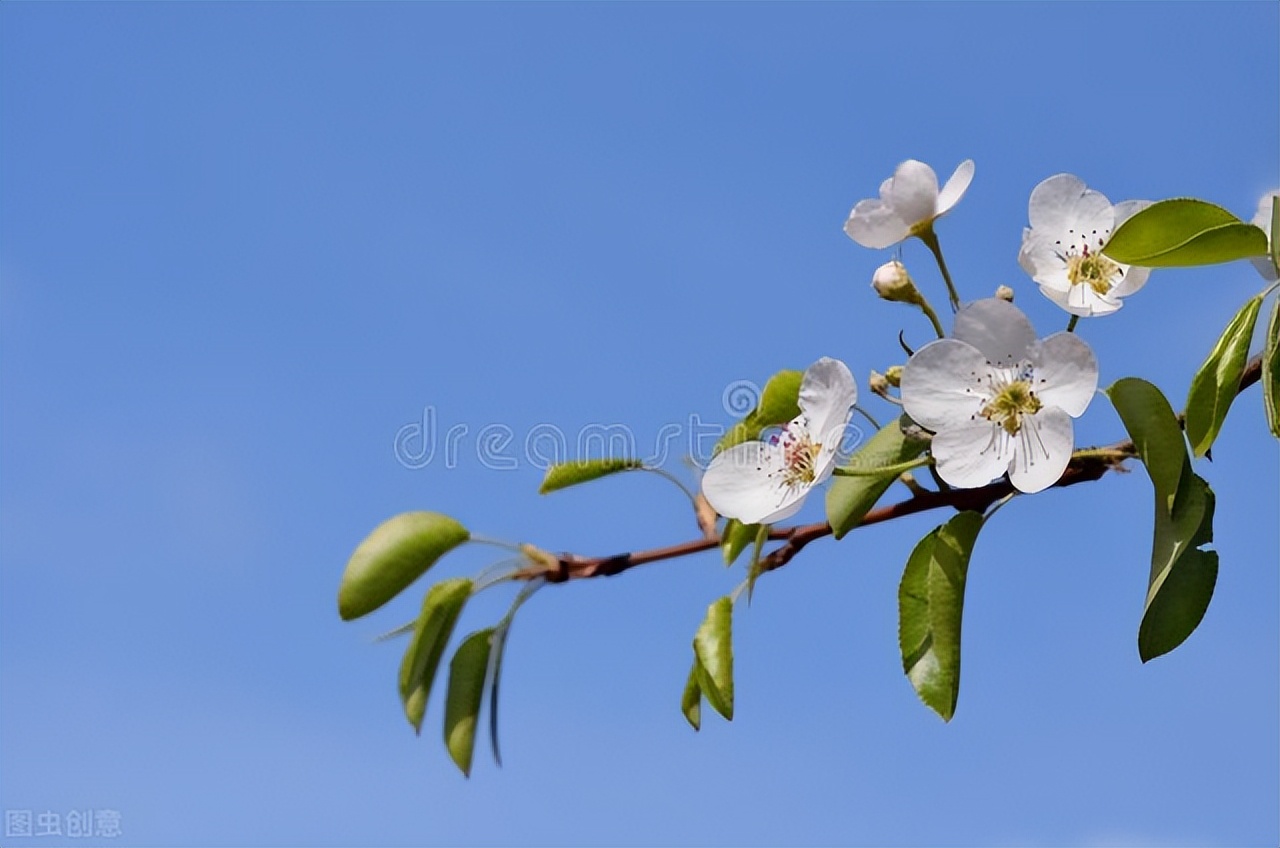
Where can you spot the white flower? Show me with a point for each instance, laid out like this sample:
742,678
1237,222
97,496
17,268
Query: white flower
999,400
1062,251
909,202
1262,220
764,482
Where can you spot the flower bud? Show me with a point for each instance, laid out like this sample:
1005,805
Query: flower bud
1005,293
892,282
894,375
878,382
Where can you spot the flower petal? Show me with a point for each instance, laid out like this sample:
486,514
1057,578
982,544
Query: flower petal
1081,300
972,454
997,328
1066,373
827,396
955,188
1043,260
1042,449
1053,201
1132,279
745,482
1262,220
914,192
873,224
943,384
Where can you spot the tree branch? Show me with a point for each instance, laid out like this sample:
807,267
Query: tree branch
1085,466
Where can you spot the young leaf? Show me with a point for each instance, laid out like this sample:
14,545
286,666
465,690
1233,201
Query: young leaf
850,498
779,403
1271,366
467,673
440,610
1184,232
568,474
930,607
394,555
1154,429
691,700
1182,574
501,632
1215,385
735,539
713,654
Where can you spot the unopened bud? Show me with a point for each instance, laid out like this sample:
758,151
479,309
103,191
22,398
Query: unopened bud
894,375
878,382
548,561
706,516
1005,293
892,282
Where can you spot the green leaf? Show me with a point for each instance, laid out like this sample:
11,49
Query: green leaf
1274,237
440,610
1154,429
568,474
779,403
1271,366
394,555
1184,232
735,538
501,632
1215,385
691,700
754,567
850,498
467,673
930,607
1182,575
713,652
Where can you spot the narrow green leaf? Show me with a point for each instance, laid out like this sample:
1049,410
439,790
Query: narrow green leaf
1154,429
1182,574
850,498
691,700
467,673
713,652
568,474
779,403
394,555
500,635
754,568
930,609
1215,385
440,610
1184,232
1271,365
1273,237
735,538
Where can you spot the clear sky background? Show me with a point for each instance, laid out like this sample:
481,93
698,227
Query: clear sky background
243,245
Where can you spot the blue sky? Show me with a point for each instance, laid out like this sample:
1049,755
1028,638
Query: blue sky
243,245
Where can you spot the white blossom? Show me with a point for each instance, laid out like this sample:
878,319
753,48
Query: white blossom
998,400
1062,250
908,205
761,482
1262,220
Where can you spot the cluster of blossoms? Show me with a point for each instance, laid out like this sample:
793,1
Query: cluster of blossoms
996,399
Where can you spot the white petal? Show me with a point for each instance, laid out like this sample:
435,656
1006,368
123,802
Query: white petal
744,482
1093,220
972,454
914,193
1262,218
955,188
1043,260
1134,278
997,328
1265,268
1042,449
1081,300
874,224
827,396
1066,373
1126,209
1053,201
944,384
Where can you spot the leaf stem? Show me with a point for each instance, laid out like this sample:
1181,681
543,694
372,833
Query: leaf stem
883,470
866,415
652,469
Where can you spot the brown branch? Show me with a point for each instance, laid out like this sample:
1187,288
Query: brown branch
1081,469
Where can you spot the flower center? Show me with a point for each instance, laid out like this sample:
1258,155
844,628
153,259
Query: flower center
1093,270
800,459
1010,403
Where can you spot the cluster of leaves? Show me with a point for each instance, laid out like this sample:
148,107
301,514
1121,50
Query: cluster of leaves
1180,232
